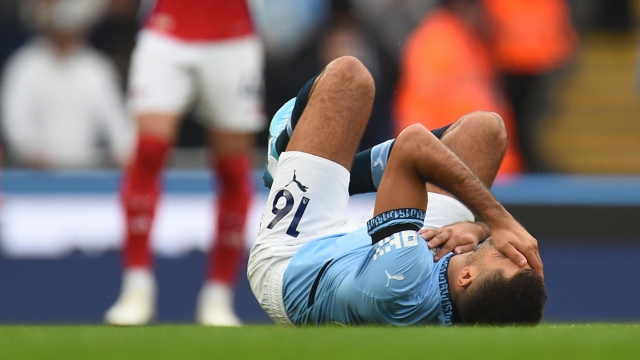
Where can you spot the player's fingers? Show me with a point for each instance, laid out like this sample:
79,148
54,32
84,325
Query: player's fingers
463,249
438,240
428,233
539,267
440,254
446,248
530,251
516,256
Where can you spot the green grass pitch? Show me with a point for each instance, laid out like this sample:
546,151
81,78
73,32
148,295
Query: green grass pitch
547,341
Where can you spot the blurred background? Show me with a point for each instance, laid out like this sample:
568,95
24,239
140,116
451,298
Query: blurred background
563,74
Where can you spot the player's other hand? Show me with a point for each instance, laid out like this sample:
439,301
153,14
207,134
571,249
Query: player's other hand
517,244
458,238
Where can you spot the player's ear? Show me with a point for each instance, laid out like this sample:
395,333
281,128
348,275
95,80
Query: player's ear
466,276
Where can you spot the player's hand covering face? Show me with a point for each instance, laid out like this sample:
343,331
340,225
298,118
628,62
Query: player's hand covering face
512,240
487,257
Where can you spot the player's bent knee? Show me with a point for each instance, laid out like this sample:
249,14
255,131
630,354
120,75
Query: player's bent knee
159,125
495,121
490,124
346,65
488,119
349,70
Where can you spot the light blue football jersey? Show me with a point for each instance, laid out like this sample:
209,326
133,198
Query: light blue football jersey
344,279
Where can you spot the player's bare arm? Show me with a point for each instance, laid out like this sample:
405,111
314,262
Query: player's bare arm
419,157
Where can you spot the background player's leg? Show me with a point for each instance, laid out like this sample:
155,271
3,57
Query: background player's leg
339,107
231,160
229,101
141,186
139,195
161,86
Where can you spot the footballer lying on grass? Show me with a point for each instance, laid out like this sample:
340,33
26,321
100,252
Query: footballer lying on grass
310,265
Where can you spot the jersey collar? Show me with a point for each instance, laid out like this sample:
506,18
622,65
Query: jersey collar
451,315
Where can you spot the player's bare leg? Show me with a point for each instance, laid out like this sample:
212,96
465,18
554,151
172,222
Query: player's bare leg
338,110
139,195
309,197
419,157
231,154
479,139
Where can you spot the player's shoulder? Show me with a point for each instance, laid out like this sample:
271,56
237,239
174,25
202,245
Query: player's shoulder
398,265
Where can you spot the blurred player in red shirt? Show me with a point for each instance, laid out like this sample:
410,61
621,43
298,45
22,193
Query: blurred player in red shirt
204,52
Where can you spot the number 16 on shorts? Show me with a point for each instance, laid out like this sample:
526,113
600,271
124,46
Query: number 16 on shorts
282,212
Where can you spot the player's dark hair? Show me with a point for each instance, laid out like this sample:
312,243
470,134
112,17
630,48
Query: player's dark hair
501,301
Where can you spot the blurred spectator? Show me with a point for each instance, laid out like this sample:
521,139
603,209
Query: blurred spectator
392,21
204,53
298,50
60,98
115,34
531,42
446,72
345,35
287,26
290,30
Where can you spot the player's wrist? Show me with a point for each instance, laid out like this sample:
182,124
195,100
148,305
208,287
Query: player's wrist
497,218
483,231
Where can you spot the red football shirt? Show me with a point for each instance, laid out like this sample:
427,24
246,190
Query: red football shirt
201,19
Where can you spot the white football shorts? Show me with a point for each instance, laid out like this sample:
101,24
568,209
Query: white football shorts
223,79
308,200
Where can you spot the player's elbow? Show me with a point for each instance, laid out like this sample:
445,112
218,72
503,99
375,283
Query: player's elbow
412,138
